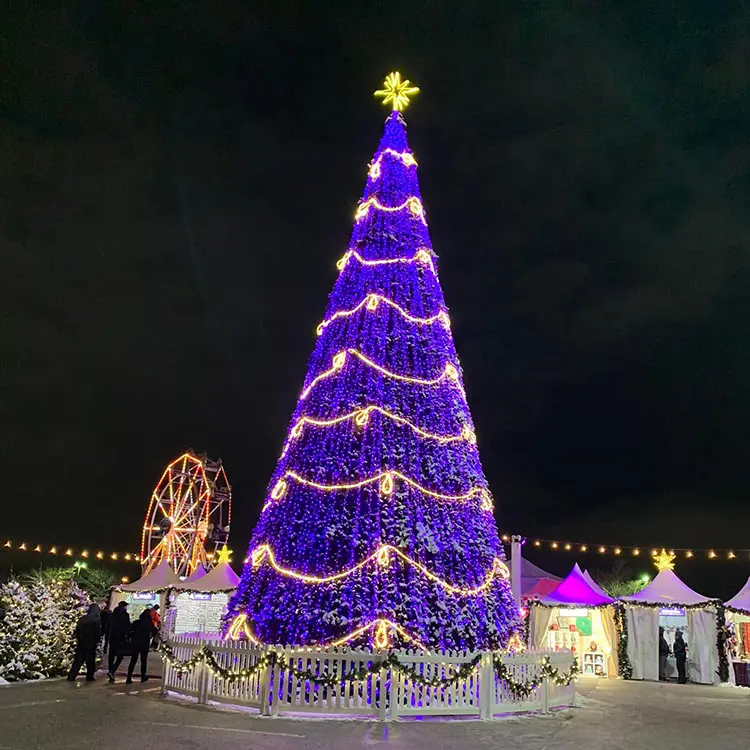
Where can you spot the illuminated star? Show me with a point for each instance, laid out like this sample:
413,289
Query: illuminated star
664,560
396,92
224,555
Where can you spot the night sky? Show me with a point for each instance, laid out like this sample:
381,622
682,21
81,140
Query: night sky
177,184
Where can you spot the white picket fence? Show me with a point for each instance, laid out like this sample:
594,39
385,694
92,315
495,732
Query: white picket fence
386,694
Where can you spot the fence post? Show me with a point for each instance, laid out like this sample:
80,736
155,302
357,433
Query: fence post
486,686
544,695
394,695
203,683
385,696
166,674
265,685
275,678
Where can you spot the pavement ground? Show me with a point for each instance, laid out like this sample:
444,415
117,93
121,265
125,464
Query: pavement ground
611,715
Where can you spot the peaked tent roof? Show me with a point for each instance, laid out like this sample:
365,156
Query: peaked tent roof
669,590
535,582
575,590
594,585
741,600
196,575
160,578
219,578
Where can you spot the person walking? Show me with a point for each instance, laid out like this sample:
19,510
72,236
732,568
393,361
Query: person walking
663,653
143,632
680,655
106,614
119,628
88,633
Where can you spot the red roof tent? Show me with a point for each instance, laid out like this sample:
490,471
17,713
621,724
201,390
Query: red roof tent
535,582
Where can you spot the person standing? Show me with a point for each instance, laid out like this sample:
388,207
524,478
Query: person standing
119,628
106,614
156,619
88,633
663,653
144,631
680,655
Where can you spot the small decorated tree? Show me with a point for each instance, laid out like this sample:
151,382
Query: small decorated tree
19,657
37,629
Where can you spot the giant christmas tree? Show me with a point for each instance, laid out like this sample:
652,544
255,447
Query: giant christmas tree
378,524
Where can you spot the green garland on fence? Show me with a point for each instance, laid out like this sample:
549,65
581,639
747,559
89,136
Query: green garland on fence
272,658
524,688
526,626
205,654
624,666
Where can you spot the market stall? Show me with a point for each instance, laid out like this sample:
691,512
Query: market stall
669,603
198,606
738,624
578,617
146,591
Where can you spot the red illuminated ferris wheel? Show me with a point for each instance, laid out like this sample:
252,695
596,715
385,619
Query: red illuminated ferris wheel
189,515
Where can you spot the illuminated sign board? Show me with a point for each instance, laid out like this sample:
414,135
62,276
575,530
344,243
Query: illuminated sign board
671,612
144,596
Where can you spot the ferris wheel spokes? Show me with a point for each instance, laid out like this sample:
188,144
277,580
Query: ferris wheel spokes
190,508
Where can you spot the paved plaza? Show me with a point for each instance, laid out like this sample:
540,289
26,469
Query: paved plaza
612,715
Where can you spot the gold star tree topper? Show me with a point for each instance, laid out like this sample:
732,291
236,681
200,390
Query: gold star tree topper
664,560
224,555
396,92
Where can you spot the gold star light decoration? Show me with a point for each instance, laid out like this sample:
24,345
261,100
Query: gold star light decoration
664,560
396,92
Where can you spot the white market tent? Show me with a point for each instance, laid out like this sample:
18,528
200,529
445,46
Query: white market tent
594,585
148,590
198,606
738,613
741,601
668,594
220,579
196,575
578,615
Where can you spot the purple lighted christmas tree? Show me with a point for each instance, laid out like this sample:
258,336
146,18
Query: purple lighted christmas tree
378,525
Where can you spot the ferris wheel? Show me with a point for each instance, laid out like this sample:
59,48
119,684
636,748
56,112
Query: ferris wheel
189,515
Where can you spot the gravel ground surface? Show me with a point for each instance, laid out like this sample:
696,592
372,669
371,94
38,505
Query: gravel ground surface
611,715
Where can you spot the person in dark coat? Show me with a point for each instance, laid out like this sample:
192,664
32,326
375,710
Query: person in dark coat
119,629
106,614
680,655
143,631
663,654
88,634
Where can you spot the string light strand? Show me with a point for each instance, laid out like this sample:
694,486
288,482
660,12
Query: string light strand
361,418
422,256
371,302
381,556
449,373
386,479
